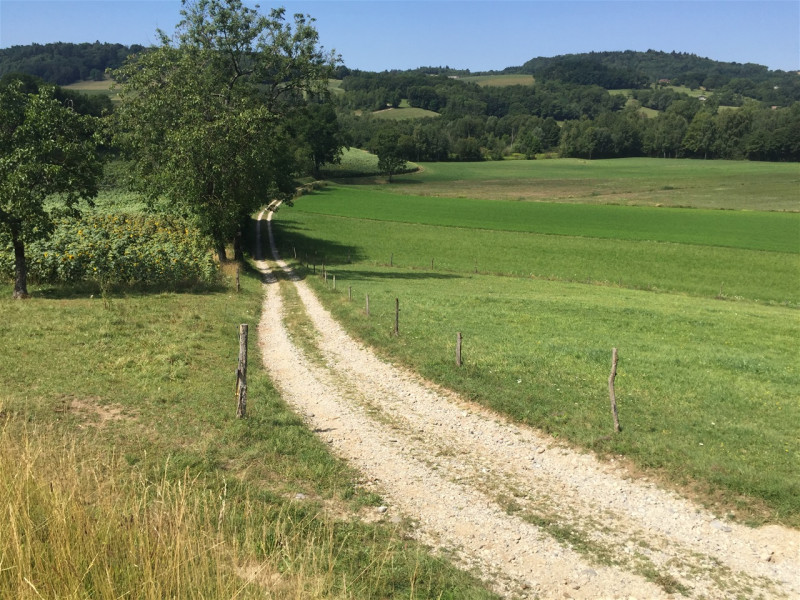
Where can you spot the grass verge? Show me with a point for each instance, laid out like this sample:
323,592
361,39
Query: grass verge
125,472
706,389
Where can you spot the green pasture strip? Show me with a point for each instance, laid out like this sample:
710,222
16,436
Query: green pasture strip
148,378
707,390
395,114
778,232
719,184
500,80
697,270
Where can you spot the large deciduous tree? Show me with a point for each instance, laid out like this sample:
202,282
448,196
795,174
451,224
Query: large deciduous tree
204,116
47,150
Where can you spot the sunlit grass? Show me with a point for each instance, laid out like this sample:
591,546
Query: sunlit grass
706,388
124,471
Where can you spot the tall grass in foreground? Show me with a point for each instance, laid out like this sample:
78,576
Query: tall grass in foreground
78,525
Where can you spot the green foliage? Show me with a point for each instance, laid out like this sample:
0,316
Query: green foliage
118,248
45,149
63,63
205,120
391,154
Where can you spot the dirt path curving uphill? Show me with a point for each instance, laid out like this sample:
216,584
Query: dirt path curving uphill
534,518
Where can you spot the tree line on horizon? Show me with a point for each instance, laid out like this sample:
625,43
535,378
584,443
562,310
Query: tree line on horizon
574,120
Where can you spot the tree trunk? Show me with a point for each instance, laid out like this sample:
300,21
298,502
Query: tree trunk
20,267
221,254
238,253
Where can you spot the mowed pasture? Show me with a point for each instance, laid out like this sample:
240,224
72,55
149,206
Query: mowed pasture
735,185
704,315
93,88
503,80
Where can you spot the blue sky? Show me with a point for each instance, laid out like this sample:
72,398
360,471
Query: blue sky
477,35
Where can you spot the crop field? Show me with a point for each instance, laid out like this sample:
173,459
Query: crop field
404,112
738,185
500,80
701,304
91,87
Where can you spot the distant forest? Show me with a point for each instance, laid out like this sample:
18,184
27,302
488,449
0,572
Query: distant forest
62,63
592,105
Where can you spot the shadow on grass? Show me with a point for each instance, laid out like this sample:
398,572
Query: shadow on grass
346,275
66,291
293,243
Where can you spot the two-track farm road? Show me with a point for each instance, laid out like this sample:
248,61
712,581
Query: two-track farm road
534,518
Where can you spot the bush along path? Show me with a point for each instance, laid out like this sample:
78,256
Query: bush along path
532,517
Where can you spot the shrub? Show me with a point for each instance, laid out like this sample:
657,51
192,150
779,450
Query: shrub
118,249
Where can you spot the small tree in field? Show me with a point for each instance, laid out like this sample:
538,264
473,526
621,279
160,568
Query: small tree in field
46,149
391,158
205,117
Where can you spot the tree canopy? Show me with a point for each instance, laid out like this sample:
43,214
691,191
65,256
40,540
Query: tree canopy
205,115
46,149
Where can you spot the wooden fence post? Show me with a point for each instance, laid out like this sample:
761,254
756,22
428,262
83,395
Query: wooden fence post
367,309
350,293
241,374
397,316
458,349
334,282
238,288
611,393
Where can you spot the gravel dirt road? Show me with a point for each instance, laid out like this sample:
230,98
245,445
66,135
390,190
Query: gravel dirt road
535,519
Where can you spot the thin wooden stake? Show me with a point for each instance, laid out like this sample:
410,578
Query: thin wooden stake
350,293
294,250
367,309
397,316
238,288
241,374
334,282
611,393
458,349
391,259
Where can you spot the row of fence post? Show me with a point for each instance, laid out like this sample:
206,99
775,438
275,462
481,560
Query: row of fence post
241,371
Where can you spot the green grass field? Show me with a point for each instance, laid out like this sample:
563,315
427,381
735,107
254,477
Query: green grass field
500,80
94,88
702,305
404,112
738,185
735,229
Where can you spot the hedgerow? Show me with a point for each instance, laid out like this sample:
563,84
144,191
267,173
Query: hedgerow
118,249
